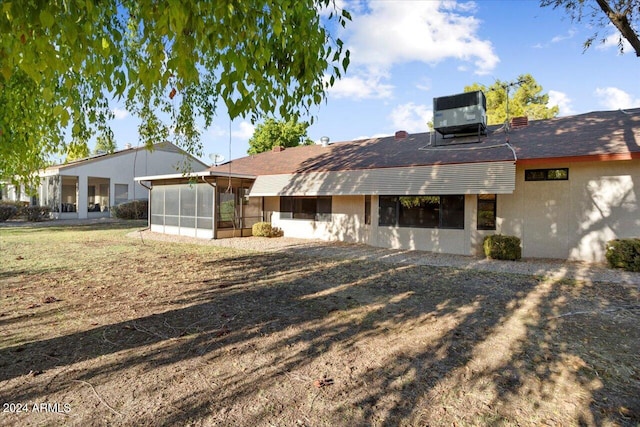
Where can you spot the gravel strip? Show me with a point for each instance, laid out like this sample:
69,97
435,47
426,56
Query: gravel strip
552,268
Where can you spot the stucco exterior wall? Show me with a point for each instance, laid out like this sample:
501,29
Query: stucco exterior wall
573,219
348,225
425,239
570,219
347,221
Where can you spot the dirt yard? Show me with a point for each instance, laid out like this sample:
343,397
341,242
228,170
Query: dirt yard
97,328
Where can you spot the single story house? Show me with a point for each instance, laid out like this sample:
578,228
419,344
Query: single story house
564,186
88,188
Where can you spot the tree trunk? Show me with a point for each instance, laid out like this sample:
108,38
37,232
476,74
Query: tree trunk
622,24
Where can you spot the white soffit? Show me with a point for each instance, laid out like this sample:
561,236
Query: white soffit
466,178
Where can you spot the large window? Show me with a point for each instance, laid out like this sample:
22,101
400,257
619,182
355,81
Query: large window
422,211
182,205
188,206
204,206
98,194
251,208
172,205
157,205
560,174
311,208
237,210
487,211
69,193
227,215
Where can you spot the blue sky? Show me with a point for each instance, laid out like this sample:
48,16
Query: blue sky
405,53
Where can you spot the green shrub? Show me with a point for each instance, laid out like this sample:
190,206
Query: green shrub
624,253
264,229
502,247
35,213
7,211
135,209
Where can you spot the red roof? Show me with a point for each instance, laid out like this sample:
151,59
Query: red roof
596,135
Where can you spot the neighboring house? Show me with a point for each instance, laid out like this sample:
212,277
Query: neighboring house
564,186
14,193
88,188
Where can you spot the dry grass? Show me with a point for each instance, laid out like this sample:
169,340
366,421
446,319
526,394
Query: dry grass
117,331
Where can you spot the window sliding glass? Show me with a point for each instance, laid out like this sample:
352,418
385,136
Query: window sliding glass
309,208
422,211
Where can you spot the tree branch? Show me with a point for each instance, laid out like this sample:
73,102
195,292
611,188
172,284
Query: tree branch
622,24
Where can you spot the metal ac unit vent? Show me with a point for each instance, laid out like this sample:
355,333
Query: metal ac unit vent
462,114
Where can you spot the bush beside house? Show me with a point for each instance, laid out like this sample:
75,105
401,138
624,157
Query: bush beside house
264,229
624,253
135,209
502,247
35,213
9,210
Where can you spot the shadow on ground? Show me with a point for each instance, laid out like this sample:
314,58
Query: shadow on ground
282,339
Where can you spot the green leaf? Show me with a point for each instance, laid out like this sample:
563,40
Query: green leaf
259,57
345,62
46,19
277,27
47,94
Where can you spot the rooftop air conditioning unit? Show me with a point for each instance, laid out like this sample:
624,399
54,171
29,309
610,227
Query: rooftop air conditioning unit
465,113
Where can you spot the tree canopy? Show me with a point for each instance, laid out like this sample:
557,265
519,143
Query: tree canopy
525,99
76,152
623,14
105,145
63,63
273,133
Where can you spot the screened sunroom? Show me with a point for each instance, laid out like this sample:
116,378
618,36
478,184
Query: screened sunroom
60,194
202,205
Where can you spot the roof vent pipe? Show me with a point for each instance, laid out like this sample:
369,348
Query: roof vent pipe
401,134
324,141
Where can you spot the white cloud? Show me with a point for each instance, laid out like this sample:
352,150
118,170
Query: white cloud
561,37
217,132
120,113
561,100
424,84
613,41
374,136
614,98
393,32
367,85
411,117
556,39
244,131
332,8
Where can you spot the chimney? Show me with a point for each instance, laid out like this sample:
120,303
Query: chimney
519,122
277,148
401,134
